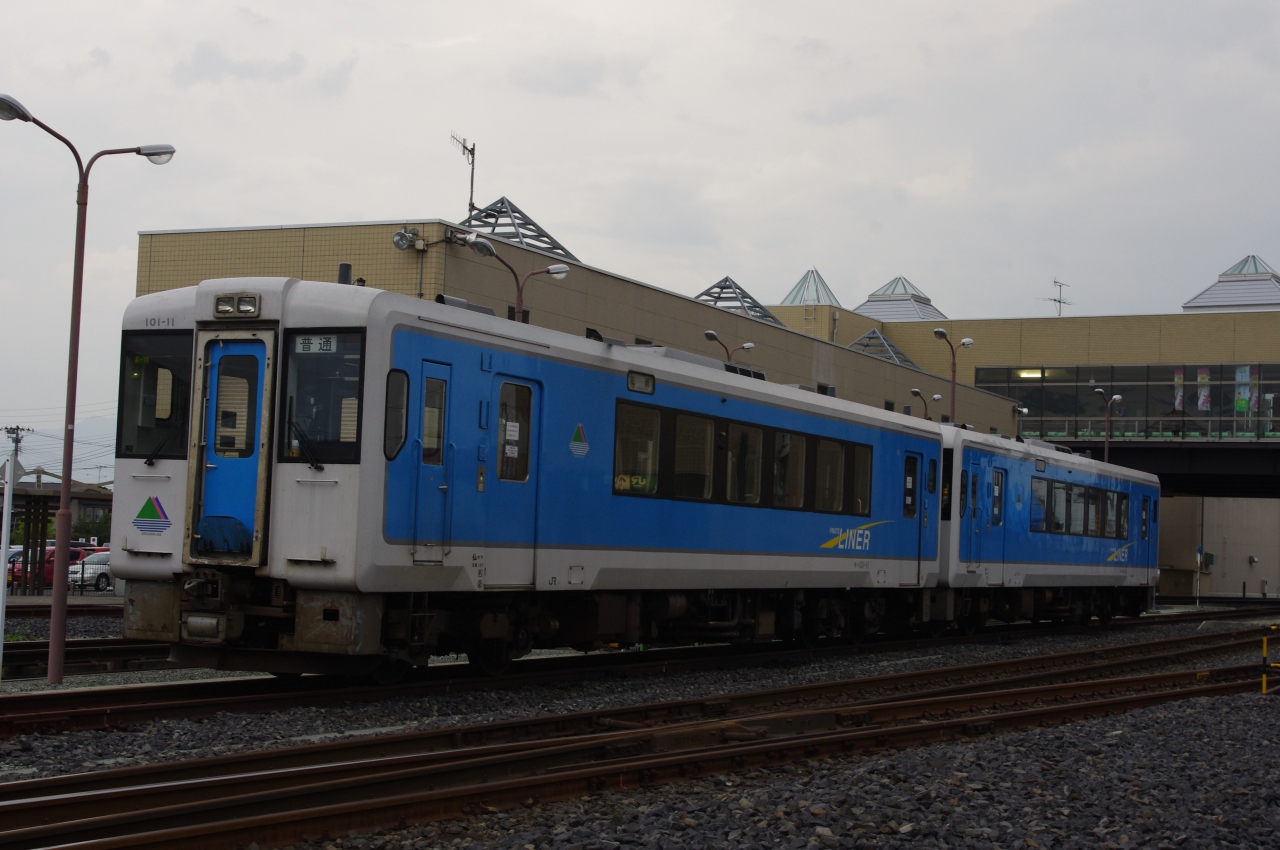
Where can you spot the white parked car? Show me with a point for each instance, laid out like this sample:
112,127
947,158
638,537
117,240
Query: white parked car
94,571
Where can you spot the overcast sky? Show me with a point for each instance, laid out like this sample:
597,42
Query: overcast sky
979,149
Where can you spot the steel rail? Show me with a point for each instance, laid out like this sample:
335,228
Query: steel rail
29,659
26,611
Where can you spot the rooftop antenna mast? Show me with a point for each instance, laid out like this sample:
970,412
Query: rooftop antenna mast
1059,300
469,151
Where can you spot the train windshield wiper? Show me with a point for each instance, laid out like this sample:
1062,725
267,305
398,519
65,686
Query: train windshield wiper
308,447
151,458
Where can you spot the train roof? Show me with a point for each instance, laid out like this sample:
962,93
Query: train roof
1013,446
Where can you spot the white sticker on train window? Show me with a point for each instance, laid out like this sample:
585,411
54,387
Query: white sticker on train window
511,451
315,344
513,432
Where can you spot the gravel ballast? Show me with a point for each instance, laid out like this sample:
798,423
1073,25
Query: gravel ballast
77,627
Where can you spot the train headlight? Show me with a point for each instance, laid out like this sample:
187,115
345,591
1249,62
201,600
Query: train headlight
247,305
225,305
238,305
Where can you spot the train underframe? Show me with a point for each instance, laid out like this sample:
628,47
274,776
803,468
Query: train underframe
234,620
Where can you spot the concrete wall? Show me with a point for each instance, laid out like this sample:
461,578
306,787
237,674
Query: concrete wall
1231,529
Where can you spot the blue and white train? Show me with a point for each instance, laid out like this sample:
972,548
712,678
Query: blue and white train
312,476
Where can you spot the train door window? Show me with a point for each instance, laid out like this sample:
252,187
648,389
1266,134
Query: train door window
946,484
1075,511
1146,513
635,450
931,482
1039,503
235,429
743,482
1093,513
1109,501
1122,516
515,419
862,480
910,486
964,491
1155,510
395,429
973,492
433,424
997,497
788,470
694,457
1058,501
829,493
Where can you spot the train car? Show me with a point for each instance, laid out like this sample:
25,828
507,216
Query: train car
1035,532
317,477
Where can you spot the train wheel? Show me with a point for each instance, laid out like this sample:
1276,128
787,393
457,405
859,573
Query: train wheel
490,657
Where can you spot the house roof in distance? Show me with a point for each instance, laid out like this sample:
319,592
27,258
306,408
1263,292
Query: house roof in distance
728,294
1250,284
899,300
811,289
507,221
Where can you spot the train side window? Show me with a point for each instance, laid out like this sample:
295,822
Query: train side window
862,480
433,423
694,456
635,450
1075,513
1109,502
829,493
743,482
997,497
910,485
931,483
964,491
1059,512
946,484
1093,521
788,470
1122,516
1146,515
515,419
395,429
1039,503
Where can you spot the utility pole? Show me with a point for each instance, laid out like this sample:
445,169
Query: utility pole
10,483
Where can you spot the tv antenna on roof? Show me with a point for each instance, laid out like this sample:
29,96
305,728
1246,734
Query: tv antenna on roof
469,151
1059,300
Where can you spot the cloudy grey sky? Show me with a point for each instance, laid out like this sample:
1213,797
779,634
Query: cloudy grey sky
979,149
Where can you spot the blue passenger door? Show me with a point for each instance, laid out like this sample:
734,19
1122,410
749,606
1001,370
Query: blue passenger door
512,499
232,450
912,512
993,528
432,519
975,527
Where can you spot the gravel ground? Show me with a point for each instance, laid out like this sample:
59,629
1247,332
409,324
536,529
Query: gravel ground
77,627
31,756
1199,773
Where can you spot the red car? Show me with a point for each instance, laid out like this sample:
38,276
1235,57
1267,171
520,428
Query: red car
16,563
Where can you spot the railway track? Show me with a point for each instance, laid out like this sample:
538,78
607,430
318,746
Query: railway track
105,708
36,611
28,659
277,795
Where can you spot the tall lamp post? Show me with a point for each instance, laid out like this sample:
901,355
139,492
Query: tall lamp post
941,333
728,355
485,248
1106,438
936,397
10,109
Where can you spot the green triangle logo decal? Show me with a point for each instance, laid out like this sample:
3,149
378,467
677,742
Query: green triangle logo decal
578,444
149,511
578,436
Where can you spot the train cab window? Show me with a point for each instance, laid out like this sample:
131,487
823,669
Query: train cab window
235,428
964,491
743,481
320,400
910,486
931,482
635,450
829,475
862,480
1093,513
1059,509
515,421
788,470
1109,523
1039,503
155,394
395,429
1075,511
1146,514
694,456
1122,516
433,391
997,497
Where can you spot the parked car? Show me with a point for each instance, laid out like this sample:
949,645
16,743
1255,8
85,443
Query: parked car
93,571
16,564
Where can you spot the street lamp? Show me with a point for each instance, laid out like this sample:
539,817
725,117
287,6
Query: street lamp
936,397
746,346
484,248
1106,439
10,109
941,334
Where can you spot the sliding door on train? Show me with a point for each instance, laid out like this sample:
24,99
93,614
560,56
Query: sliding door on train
984,525
511,499
432,522
912,512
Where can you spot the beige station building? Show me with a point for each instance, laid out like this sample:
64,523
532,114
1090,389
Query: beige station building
1200,389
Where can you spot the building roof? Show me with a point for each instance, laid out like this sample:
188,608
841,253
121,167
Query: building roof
1250,284
507,221
899,300
877,345
811,289
728,294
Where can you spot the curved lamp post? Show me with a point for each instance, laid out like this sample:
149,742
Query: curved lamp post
941,334
746,346
484,248
11,109
936,397
1106,438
